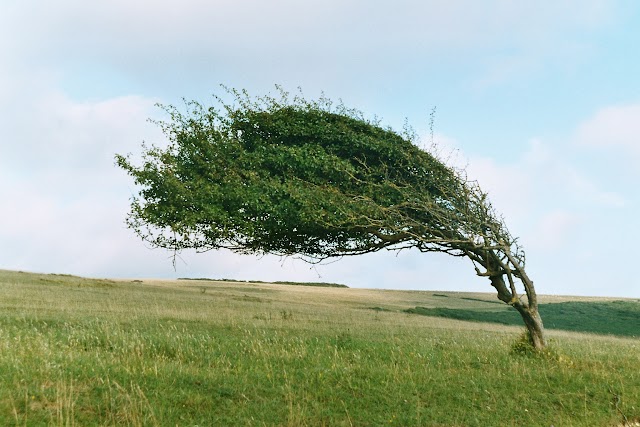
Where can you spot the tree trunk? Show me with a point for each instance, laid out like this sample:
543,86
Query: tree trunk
533,322
528,311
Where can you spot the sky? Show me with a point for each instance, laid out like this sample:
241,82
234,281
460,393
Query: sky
540,101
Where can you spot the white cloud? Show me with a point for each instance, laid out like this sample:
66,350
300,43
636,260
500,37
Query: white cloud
54,131
72,69
64,200
445,24
615,127
555,230
556,207
541,173
327,38
543,194
546,200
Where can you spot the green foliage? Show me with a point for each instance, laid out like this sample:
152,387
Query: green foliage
301,177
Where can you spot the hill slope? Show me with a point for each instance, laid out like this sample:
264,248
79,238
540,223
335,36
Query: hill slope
86,352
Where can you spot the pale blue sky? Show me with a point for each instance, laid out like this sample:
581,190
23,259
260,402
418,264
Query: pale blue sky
541,101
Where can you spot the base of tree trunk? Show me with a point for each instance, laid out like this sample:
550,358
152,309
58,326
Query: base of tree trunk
528,311
535,328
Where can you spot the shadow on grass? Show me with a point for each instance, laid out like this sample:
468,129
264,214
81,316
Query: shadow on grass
614,318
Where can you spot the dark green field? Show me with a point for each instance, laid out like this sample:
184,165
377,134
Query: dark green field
621,317
83,352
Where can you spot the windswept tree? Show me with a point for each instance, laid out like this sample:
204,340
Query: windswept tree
307,178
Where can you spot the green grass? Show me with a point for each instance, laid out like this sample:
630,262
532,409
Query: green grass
620,317
83,352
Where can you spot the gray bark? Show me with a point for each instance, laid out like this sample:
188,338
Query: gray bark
528,310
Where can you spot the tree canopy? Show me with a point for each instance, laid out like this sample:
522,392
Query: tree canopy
297,177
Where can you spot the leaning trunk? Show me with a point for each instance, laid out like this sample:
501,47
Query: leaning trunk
533,322
528,310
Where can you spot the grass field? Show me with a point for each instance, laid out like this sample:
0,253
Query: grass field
613,317
80,352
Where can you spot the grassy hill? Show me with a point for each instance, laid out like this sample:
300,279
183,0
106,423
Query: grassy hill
77,351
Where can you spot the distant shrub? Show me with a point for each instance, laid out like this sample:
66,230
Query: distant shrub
321,284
